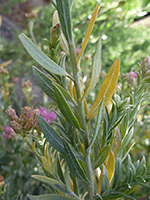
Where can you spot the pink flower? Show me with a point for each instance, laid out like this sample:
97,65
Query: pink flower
8,130
9,133
49,116
131,76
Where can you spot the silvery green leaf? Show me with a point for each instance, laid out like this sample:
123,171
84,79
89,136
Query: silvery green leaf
41,57
65,108
96,68
118,173
64,13
52,137
44,82
102,155
97,127
73,163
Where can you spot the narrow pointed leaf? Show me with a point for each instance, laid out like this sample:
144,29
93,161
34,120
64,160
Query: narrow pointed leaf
45,179
105,182
102,156
44,82
125,141
49,197
66,94
97,127
107,88
52,137
88,32
63,8
110,165
46,164
96,68
73,163
40,57
65,108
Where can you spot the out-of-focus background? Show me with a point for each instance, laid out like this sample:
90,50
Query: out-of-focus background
124,27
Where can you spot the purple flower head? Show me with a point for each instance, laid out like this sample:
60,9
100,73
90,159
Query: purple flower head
8,130
49,116
9,133
133,74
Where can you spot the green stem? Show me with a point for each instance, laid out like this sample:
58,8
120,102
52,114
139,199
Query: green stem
84,125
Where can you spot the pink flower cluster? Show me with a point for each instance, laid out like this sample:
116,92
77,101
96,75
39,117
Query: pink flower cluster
48,115
131,76
28,120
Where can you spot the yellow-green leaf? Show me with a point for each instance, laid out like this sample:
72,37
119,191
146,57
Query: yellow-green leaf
110,165
96,68
88,32
107,88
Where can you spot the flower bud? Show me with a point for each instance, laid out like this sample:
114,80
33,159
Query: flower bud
146,62
25,115
54,34
131,76
32,120
12,114
17,127
145,65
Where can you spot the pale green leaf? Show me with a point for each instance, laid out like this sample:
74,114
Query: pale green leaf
65,108
102,155
52,137
73,163
96,68
63,8
97,127
44,82
40,57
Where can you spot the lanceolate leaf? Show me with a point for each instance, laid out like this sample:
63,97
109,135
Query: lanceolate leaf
110,165
66,94
96,68
125,141
52,137
49,197
44,82
102,156
97,127
63,8
73,163
107,88
40,57
48,180
88,32
65,108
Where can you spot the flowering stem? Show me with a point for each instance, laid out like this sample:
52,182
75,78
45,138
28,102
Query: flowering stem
84,126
